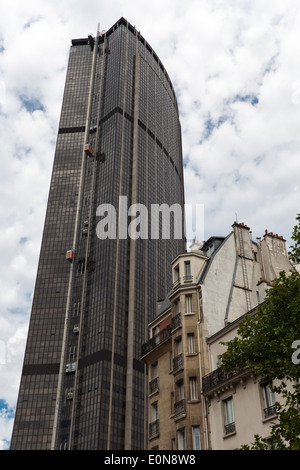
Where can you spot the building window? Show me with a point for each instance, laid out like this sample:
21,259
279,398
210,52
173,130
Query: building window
176,275
187,271
154,370
196,438
191,343
179,405
153,384
188,303
193,388
155,334
178,344
181,439
229,415
176,320
178,359
210,250
269,401
154,424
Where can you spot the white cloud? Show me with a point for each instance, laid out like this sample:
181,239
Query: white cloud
235,68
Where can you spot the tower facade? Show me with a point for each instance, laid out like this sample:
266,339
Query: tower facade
101,270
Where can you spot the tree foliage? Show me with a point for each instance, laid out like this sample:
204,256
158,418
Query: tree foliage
266,344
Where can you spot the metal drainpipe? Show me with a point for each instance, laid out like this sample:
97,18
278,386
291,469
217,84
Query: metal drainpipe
200,340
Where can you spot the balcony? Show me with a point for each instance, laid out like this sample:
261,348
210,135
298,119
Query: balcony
270,411
229,428
154,429
176,283
218,376
156,340
179,409
176,321
153,386
177,363
182,280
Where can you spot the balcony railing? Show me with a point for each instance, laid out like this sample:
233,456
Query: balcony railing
270,411
177,362
154,429
229,428
179,408
176,321
183,279
153,385
217,377
156,340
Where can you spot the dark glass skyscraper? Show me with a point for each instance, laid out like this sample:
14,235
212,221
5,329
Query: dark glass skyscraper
83,385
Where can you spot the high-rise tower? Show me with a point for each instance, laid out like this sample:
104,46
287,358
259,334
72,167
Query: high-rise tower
83,385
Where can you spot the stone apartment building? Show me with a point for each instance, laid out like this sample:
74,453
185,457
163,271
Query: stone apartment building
238,405
214,285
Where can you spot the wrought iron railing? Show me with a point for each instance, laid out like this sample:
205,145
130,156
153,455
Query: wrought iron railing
176,321
177,362
156,340
179,408
217,377
153,385
229,428
270,411
154,429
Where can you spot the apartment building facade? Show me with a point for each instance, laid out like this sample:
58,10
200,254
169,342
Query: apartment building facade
214,285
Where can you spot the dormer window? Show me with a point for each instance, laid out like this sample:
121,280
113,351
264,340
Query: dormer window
210,250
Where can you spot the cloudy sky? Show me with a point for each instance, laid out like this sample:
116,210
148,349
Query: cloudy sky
235,66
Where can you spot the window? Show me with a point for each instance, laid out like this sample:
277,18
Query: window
178,344
180,390
269,401
154,412
210,250
196,438
155,334
176,273
187,271
191,343
154,424
193,388
154,369
188,303
176,320
179,405
181,439
229,416
153,384
178,360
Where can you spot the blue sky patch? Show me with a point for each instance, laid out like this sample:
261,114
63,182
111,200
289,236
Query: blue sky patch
4,407
250,98
31,105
